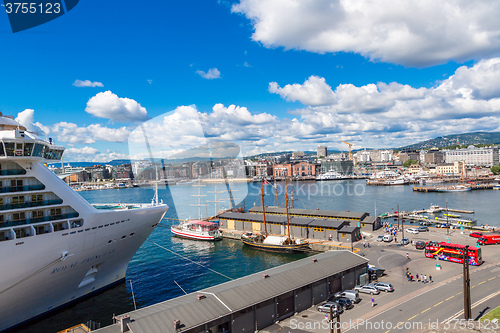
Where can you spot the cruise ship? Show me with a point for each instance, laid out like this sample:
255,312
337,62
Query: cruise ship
55,247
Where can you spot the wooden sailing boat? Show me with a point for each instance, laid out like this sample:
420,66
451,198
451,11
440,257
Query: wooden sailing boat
274,243
198,229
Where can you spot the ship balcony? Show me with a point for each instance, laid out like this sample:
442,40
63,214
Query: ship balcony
29,204
12,172
11,189
14,223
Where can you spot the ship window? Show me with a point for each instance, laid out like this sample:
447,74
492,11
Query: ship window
1,199
55,211
2,152
9,148
17,183
36,197
28,147
76,223
19,199
18,216
37,150
37,213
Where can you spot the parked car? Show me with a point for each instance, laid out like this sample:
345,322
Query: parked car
420,245
367,289
384,286
380,238
345,302
422,228
388,238
442,225
351,294
489,239
412,231
405,241
325,307
476,234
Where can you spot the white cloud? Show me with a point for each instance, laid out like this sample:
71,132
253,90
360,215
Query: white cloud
27,118
213,73
71,133
110,106
411,33
392,115
90,154
314,91
87,83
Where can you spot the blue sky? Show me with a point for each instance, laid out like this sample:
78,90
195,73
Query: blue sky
268,74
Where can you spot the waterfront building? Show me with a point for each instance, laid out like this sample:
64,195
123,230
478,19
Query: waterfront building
345,167
450,169
434,156
322,152
295,169
250,303
474,156
406,155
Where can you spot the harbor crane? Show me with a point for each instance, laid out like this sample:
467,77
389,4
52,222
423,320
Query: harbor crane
350,144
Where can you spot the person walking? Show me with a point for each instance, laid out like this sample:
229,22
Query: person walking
430,278
407,255
418,278
373,302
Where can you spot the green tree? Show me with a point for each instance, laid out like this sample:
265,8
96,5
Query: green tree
496,169
409,162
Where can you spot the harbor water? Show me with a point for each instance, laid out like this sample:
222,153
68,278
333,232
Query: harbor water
166,267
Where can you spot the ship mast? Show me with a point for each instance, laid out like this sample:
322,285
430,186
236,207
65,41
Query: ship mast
276,192
199,199
286,206
263,209
215,201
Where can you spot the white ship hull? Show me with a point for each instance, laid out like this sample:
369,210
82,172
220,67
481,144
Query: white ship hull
54,246
37,281
179,232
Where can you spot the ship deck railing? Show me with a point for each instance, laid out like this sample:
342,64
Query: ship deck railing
29,204
14,223
7,189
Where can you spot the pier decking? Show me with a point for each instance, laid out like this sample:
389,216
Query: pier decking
473,187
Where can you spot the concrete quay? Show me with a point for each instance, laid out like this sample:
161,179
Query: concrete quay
414,306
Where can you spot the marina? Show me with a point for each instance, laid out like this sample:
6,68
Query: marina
150,258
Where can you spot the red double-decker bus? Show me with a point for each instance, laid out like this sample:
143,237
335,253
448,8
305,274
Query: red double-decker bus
452,252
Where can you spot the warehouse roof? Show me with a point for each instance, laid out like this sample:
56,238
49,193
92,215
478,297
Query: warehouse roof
311,212
235,295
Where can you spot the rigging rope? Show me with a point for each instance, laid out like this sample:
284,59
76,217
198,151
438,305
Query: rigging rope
194,262
178,285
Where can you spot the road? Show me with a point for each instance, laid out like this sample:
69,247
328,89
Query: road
413,306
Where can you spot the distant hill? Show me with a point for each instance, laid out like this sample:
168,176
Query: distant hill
463,139
88,164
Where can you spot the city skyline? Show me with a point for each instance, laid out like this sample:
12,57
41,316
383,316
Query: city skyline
266,75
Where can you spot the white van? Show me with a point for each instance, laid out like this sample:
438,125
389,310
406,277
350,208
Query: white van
388,238
350,294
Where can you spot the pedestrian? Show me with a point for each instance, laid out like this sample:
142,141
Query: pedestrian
407,255
411,278
373,302
364,244
430,278
418,278
368,244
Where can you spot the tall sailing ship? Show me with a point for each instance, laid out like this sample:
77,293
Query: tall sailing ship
274,243
55,247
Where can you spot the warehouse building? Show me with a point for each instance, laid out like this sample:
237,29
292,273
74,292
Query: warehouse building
300,227
252,302
366,222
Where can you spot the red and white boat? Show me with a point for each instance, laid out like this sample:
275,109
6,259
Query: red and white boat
198,230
